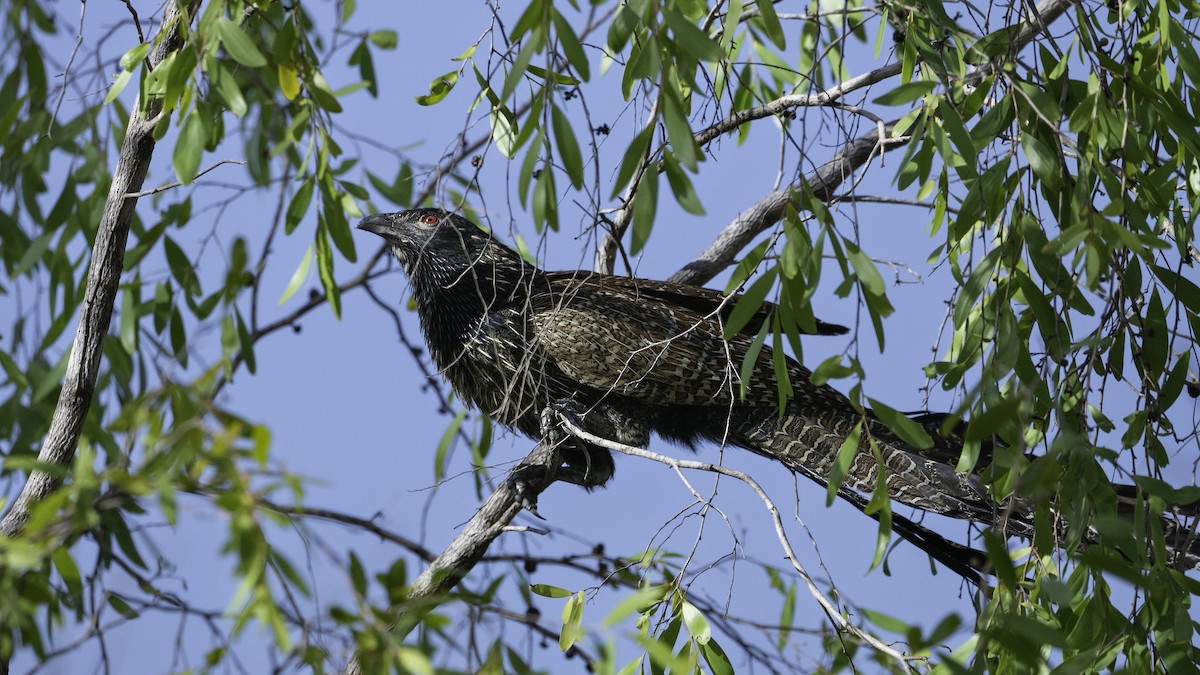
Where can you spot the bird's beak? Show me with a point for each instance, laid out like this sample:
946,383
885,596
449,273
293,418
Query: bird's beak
377,224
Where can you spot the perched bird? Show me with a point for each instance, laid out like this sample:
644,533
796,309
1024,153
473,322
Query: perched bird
627,357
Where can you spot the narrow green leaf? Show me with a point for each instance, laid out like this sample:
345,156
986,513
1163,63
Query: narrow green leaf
67,570
189,147
325,271
693,40
133,57
384,39
638,602
1043,160
697,625
633,157
503,130
571,46
548,591
568,147
714,656
769,21
358,576
679,131
841,463
238,44
749,303
298,206
439,88
227,87
572,618
298,276
645,205
905,93
681,186
129,302
865,269
245,343
118,86
118,603
444,445
905,427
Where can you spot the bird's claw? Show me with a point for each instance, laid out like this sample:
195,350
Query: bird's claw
521,488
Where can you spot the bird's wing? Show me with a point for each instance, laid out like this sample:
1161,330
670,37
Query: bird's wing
640,345
702,301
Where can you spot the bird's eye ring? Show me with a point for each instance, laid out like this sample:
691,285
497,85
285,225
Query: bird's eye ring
429,219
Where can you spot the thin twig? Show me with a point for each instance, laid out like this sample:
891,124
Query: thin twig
830,608
171,186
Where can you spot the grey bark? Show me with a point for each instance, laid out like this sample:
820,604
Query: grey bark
104,275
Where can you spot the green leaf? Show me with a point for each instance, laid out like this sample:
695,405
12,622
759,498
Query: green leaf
333,213
714,656
841,463
568,147
770,23
638,602
67,570
325,271
905,427
133,57
556,78
645,205
118,86
905,93
384,39
633,157
118,603
1044,161
129,302
298,207
439,88
189,147
681,186
572,618
749,303
571,46
245,343
228,89
548,591
886,622
865,269
624,22
693,40
697,625
445,443
679,131
238,44
503,130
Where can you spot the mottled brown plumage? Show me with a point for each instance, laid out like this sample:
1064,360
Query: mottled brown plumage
631,356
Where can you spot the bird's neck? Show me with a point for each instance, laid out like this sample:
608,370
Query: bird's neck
453,304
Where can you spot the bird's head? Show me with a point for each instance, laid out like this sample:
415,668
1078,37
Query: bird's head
439,237
439,249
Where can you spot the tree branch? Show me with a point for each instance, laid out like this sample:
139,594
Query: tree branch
104,275
767,211
488,523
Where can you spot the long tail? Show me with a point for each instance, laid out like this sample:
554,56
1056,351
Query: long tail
808,441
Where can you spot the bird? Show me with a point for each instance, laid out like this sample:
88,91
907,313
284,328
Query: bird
626,358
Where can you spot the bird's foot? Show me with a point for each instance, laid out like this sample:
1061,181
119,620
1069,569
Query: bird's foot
527,481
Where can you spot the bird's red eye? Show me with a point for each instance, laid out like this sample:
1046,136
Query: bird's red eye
429,219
